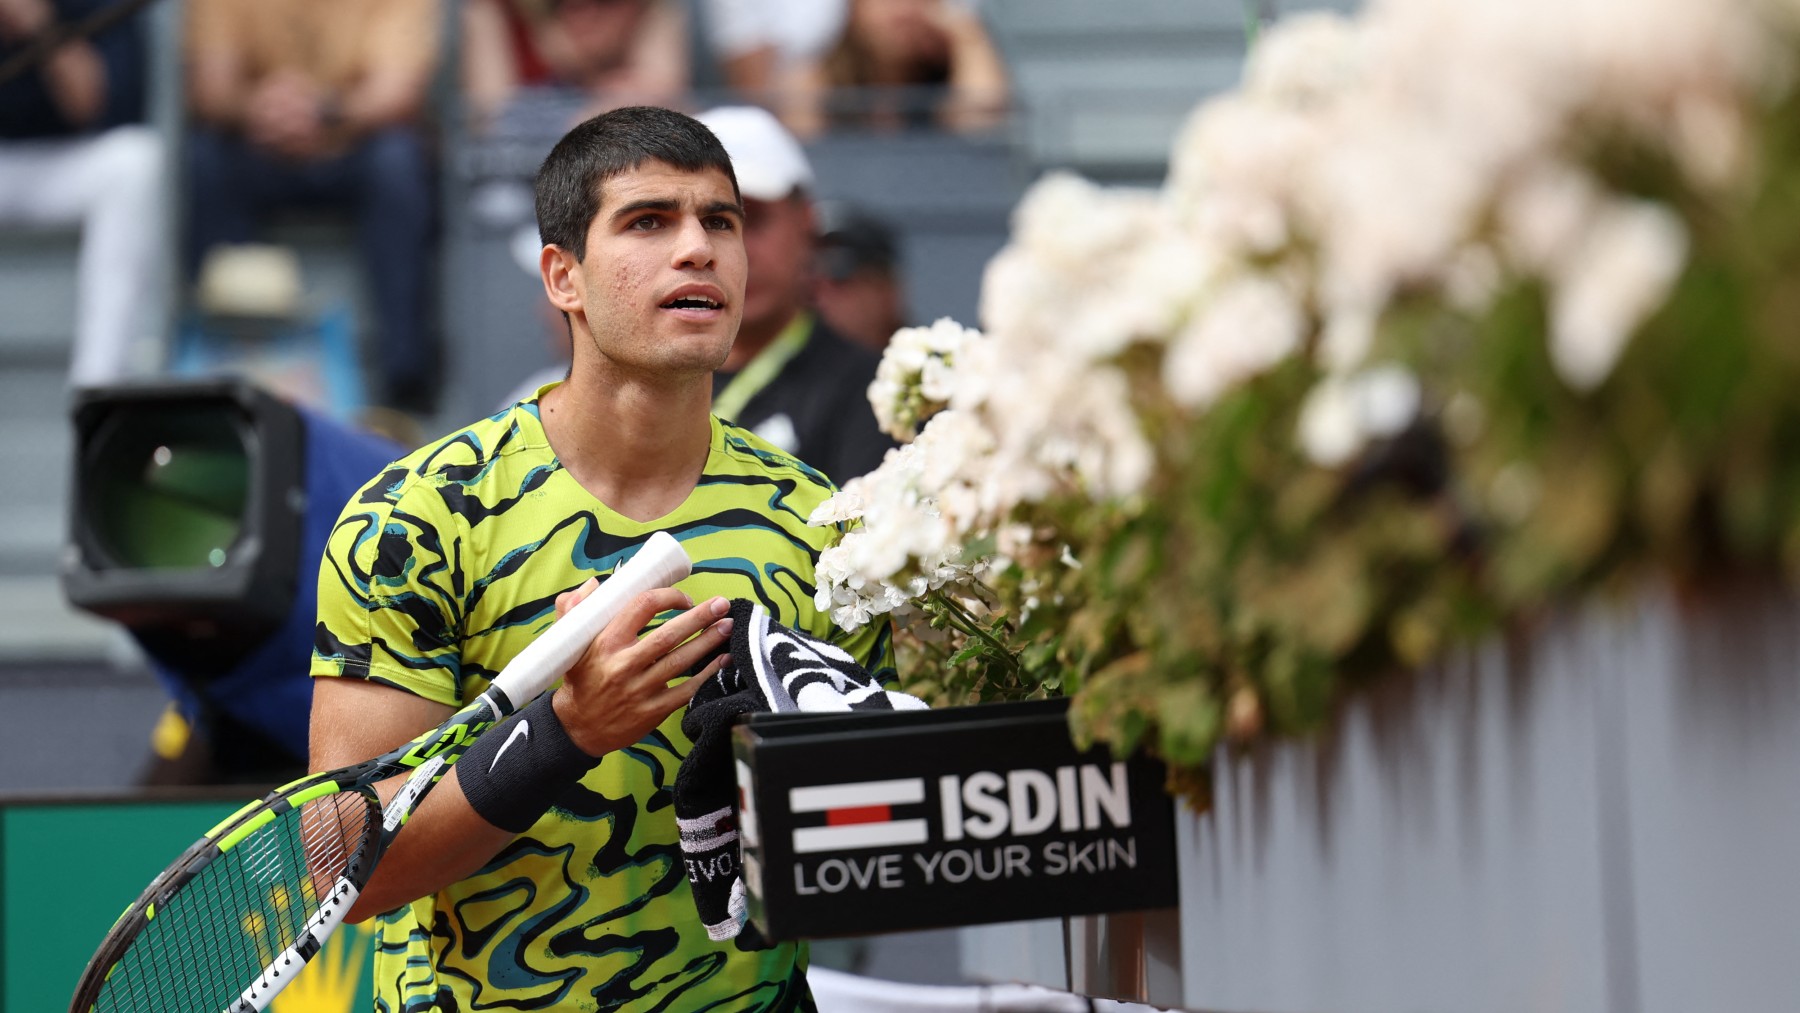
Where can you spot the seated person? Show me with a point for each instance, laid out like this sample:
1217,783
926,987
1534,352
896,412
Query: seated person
904,63
789,378
74,152
619,52
858,290
762,46
318,102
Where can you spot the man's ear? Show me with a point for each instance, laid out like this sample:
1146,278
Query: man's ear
562,278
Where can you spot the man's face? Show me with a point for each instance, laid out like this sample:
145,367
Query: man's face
779,238
662,279
865,307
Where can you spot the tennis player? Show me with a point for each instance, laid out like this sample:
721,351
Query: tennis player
551,876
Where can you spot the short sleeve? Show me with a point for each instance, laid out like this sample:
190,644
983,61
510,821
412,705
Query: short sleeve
390,602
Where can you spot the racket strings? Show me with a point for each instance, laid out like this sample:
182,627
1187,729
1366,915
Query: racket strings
214,937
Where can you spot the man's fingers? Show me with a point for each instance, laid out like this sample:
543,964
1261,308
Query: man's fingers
685,657
676,697
570,598
665,638
621,633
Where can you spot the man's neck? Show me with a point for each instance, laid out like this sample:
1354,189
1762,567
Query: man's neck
639,447
753,338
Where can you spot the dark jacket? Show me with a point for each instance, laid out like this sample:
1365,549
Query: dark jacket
823,394
26,107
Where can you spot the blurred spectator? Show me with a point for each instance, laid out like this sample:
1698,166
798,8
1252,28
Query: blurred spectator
620,52
72,152
789,378
858,291
319,102
905,63
764,46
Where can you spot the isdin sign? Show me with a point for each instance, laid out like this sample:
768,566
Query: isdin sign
887,822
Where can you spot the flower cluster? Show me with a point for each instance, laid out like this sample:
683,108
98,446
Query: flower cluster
1436,317
914,380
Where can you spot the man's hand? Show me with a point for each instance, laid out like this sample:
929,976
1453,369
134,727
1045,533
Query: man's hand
23,19
619,688
282,115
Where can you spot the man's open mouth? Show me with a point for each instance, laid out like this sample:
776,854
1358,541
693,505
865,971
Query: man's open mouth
691,302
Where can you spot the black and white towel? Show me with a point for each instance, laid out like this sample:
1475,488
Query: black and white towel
772,668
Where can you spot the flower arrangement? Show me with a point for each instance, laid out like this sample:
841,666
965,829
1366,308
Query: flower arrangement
1448,313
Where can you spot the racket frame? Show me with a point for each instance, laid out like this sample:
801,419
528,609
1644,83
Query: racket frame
428,757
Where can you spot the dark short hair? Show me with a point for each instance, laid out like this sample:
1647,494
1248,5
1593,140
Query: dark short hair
854,240
569,181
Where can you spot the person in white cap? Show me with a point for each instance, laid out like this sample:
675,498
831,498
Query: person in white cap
789,378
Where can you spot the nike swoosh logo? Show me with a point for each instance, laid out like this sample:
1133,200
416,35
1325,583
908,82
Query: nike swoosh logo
522,730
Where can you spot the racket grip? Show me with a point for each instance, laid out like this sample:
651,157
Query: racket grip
660,562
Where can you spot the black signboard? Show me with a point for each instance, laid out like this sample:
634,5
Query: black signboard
863,823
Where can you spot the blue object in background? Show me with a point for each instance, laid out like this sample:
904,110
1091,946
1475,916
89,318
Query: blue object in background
270,691
311,361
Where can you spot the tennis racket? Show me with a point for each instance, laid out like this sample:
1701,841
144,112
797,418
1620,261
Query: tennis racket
239,914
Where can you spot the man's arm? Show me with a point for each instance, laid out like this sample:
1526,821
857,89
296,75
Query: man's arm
613,696
400,55
354,720
978,88
218,85
74,74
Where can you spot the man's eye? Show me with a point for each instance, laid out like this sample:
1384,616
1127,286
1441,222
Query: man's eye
646,223
721,223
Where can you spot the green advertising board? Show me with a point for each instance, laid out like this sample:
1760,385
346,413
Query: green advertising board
67,871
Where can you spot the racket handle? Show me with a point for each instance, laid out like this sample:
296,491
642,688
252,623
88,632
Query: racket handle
660,562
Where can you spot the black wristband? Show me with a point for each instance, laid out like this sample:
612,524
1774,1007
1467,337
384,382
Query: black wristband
514,773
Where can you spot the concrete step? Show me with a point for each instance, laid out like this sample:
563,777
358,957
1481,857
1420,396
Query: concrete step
37,295
38,451
87,727
37,624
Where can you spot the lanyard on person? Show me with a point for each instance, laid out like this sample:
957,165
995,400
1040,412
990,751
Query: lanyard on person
762,370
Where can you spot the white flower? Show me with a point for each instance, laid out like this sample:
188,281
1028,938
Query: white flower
1090,271
843,505
1343,412
1609,262
1544,212
1348,335
1618,275
1387,399
853,616
1330,426
1251,323
1423,150
917,375
937,381
1391,204
1066,219
1306,59
1234,169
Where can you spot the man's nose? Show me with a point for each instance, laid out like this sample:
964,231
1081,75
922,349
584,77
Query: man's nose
694,245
